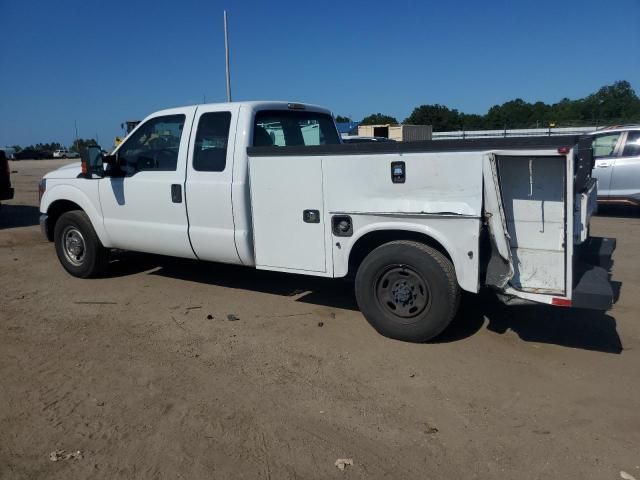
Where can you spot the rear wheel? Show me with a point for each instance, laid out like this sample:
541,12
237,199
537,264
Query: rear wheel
78,247
407,290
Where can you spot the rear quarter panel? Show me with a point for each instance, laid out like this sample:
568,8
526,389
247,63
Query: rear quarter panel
441,198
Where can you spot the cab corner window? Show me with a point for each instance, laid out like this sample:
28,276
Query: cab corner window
210,152
154,146
283,128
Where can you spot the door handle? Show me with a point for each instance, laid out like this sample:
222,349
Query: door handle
603,165
176,193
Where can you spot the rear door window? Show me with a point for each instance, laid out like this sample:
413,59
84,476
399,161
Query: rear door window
210,152
285,128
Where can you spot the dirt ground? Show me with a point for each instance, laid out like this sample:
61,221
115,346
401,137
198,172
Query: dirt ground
132,371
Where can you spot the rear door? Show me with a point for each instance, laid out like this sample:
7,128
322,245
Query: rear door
625,180
209,179
605,149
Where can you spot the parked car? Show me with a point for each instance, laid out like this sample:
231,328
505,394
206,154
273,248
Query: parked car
6,192
64,153
617,164
357,139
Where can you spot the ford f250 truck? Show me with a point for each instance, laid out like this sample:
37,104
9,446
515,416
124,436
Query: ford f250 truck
269,185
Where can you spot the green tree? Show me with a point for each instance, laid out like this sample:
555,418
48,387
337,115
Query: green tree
341,119
17,148
45,147
617,101
472,121
512,114
379,119
80,144
439,116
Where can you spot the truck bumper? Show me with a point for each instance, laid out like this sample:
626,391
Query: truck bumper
6,193
44,226
592,286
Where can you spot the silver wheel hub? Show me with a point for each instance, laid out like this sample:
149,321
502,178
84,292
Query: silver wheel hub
74,246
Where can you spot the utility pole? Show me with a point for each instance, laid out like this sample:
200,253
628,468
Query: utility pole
75,122
226,56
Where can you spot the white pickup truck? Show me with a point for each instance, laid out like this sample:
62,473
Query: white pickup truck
269,185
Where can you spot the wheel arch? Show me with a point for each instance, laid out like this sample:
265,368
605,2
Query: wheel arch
65,198
379,234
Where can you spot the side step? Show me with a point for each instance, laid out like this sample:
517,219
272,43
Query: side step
592,289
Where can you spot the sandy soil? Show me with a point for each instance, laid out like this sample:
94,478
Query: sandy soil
132,371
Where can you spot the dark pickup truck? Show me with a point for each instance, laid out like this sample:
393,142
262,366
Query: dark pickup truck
6,192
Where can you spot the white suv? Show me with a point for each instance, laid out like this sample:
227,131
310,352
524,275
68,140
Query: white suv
617,166
64,153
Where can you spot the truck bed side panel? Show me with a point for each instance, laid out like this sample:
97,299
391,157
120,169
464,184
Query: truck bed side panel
449,183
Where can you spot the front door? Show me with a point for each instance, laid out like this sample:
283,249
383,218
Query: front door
142,199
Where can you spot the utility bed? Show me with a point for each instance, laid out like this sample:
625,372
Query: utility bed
533,194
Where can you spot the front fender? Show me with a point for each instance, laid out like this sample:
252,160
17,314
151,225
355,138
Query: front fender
87,198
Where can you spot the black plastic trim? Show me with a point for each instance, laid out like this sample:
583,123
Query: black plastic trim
469,145
7,194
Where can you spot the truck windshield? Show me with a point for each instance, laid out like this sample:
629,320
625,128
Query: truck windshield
293,128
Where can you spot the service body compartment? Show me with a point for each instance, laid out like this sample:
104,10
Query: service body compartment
285,238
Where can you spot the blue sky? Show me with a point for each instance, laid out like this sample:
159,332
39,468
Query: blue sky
102,62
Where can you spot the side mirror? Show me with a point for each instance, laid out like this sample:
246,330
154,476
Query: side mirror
110,159
92,162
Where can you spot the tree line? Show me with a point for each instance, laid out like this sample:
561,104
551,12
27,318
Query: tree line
78,145
611,104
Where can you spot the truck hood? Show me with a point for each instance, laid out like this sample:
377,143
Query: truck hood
72,170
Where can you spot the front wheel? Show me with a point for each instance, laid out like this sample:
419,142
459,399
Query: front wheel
78,247
407,290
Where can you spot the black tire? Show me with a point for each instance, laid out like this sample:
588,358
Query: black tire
407,291
78,247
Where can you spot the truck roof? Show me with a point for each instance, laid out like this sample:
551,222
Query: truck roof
615,129
262,105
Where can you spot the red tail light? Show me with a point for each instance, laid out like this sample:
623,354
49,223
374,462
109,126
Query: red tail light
563,150
83,166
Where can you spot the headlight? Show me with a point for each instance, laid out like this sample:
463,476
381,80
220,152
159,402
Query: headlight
42,186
